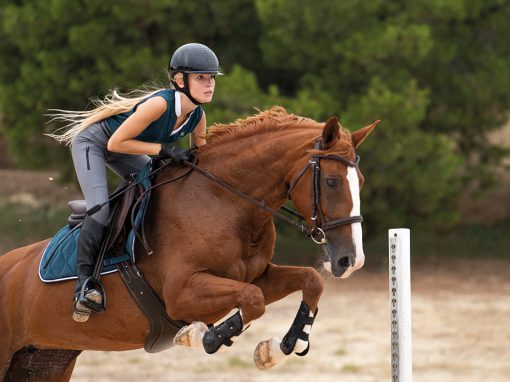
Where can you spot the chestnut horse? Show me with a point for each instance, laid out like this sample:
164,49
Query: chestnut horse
212,251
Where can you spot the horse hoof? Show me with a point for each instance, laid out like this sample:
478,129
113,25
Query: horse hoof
268,354
191,335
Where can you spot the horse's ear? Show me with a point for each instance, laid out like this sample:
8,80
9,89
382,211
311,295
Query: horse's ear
359,135
330,134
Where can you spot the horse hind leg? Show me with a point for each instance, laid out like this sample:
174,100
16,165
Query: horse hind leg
41,365
5,360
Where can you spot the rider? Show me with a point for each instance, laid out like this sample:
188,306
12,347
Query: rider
121,133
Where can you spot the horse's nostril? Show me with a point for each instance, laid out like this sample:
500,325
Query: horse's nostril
344,262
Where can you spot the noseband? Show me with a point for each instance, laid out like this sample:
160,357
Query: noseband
320,224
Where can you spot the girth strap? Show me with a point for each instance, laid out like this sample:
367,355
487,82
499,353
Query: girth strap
162,328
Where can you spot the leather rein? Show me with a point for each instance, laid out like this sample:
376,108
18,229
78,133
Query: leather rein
317,233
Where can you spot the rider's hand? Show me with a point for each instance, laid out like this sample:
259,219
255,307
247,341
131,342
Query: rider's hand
175,153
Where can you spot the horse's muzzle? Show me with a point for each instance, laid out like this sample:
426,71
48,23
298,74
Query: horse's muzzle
339,262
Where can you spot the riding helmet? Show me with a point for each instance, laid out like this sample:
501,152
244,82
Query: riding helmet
194,58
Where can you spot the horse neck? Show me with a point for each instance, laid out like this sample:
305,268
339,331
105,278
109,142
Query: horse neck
261,165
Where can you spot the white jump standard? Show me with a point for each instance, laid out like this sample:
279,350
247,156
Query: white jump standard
400,305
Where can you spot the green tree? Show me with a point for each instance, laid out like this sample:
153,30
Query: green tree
433,71
455,49
412,175
238,94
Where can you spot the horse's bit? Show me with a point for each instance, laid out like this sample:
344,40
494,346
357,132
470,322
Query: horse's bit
317,233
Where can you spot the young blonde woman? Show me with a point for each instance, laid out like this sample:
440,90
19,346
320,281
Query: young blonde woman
122,133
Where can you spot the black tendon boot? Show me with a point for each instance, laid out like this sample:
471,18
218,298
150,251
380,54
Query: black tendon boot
86,296
222,334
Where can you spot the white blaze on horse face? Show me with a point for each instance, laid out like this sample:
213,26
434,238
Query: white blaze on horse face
357,237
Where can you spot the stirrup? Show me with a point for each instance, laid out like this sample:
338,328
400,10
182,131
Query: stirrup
93,297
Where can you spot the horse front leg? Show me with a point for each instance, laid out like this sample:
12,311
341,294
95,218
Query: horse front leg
277,282
205,299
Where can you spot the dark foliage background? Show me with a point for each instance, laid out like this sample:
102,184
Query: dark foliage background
434,71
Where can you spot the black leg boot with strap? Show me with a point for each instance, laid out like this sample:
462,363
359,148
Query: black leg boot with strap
86,296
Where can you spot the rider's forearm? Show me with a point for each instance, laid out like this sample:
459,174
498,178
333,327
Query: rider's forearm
134,147
197,141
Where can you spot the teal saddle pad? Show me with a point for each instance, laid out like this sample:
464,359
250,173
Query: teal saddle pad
58,262
59,259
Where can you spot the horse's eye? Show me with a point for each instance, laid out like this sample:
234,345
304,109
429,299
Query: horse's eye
332,182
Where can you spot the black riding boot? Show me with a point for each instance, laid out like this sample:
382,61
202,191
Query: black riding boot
89,245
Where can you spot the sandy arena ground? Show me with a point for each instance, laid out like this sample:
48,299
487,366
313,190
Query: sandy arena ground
461,332
461,325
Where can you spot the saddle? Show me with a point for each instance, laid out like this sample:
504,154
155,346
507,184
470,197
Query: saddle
127,211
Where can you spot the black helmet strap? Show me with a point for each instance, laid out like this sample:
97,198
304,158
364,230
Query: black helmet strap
185,89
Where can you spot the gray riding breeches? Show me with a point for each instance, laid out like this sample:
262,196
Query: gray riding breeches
90,157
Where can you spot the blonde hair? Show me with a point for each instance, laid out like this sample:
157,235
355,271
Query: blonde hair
114,103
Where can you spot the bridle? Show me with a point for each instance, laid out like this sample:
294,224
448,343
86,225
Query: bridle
317,233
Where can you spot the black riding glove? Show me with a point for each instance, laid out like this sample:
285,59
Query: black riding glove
175,153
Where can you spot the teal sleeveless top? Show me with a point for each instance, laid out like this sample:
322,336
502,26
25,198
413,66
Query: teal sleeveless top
160,130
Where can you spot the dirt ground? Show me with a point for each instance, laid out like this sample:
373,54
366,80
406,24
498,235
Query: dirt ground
461,332
461,324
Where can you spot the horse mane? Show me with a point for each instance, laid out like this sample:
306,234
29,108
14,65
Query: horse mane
275,118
